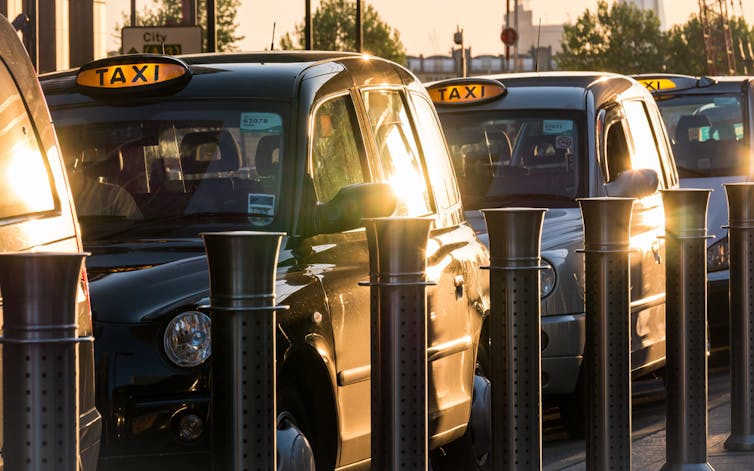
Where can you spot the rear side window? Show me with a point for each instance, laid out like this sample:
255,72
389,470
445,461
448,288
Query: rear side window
644,140
435,154
25,182
398,151
335,148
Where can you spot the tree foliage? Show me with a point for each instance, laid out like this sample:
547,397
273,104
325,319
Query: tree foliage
625,39
168,12
334,27
620,38
686,50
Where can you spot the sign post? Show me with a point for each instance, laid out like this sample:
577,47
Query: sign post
171,40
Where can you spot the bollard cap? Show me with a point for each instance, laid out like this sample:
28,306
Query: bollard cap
242,268
398,245
515,235
686,212
607,222
39,289
740,204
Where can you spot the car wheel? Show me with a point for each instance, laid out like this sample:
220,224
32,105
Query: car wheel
573,409
472,451
293,448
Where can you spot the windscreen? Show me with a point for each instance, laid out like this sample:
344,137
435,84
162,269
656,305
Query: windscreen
707,133
513,157
150,170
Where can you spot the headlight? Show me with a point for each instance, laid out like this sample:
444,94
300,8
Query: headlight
187,339
717,255
547,279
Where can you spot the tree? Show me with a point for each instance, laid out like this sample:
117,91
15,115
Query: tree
620,38
687,55
168,12
334,25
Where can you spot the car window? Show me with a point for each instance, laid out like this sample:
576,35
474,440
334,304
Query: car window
645,154
435,154
25,181
398,151
617,154
336,156
515,154
138,169
707,133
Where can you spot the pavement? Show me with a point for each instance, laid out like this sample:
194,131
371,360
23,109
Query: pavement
648,437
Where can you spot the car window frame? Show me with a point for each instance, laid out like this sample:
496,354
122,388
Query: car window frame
374,154
367,170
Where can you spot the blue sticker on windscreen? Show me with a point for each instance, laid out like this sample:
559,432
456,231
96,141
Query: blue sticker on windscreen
261,122
557,126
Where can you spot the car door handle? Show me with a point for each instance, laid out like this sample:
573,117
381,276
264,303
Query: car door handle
458,281
656,252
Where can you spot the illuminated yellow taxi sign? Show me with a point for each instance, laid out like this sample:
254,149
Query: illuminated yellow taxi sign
465,92
126,72
658,84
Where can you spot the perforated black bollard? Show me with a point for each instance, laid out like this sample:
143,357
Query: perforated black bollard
40,360
741,243
607,349
397,251
515,337
686,326
242,273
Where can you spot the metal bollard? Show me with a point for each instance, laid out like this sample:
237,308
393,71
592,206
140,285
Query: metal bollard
40,360
397,254
740,241
515,337
686,326
242,268
607,349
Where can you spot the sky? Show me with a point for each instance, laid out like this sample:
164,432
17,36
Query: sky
425,26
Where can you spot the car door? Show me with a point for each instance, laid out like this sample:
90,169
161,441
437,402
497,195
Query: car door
630,143
411,154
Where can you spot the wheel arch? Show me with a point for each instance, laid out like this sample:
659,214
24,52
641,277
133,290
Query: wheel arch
309,369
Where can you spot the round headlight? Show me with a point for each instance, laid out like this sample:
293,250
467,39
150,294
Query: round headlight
547,279
187,339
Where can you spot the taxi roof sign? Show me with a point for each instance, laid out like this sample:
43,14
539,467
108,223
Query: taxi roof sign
142,71
465,91
661,83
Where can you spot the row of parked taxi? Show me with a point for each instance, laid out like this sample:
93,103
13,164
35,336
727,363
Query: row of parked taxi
159,149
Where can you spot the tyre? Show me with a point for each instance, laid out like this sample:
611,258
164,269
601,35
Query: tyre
573,409
294,449
471,452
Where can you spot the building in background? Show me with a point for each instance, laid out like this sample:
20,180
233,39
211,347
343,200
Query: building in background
69,33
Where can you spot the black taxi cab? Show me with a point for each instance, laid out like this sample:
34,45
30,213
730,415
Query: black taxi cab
160,149
545,140
710,121
37,215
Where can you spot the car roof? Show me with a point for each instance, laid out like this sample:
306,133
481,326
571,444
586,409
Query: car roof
269,75
551,90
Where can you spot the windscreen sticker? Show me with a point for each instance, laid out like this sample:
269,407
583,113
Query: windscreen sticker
261,203
563,142
557,126
261,122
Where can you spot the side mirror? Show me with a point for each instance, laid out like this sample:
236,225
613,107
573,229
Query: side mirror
634,183
353,203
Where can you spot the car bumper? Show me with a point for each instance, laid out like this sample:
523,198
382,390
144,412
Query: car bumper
718,305
562,352
142,398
